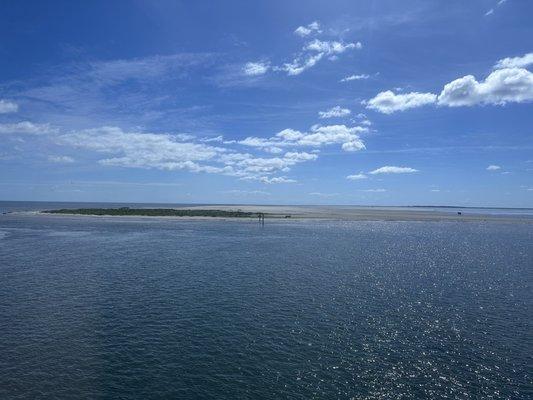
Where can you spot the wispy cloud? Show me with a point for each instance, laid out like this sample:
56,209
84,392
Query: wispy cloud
7,106
256,68
324,195
393,170
357,177
334,112
312,52
374,190
303,31
238,192
492,10
61,159
493,168
355,77
26,127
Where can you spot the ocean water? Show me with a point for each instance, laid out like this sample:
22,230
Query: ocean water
132,308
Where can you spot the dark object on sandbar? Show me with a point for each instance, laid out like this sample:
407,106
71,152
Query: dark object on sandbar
459,213
287,216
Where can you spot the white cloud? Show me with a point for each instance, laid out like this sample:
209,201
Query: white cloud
168,152
500,87
303,31
387,102
335,112
393,170
277,179
498,4
504,85
515,62
60,159
355,77
299,64
325,195
313,52
374,190
308,57
142,150
26,127
317,136
331,47
8,107
356,177
255,68
493,168
218,138
246,192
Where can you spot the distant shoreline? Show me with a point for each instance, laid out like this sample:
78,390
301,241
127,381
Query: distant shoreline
247,212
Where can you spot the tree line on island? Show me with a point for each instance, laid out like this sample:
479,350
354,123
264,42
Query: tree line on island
157,212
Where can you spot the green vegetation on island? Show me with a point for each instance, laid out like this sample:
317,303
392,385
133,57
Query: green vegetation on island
156,212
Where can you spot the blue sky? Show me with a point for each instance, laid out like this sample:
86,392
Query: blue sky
278,102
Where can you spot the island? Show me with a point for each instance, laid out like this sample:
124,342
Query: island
157,212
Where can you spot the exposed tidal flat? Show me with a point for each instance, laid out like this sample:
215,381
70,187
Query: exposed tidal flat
329,308
348,213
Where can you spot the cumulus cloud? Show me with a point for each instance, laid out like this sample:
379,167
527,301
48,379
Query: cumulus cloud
393,170
355,77
136,149
255,68
26,127
493,168
515,62
303,31
8,107
318,136
168,152
388,102
61,159
356,177
508,84
335,112
500,87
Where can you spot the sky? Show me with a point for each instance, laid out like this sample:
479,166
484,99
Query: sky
268,102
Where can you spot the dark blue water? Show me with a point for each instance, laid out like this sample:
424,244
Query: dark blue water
106,308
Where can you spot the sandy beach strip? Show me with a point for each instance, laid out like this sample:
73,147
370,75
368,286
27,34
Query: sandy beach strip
340,213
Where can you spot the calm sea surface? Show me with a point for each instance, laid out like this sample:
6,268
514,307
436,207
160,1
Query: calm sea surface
136,308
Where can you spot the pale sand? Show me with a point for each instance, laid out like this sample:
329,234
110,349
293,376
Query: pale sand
346,213
366,213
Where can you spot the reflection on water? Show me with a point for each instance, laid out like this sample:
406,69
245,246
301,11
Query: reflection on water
115,308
